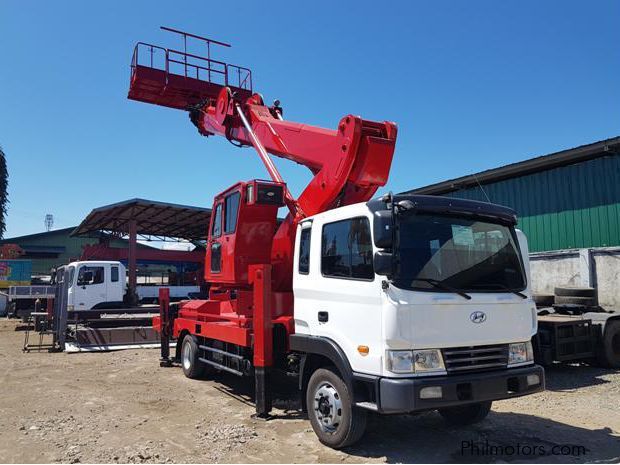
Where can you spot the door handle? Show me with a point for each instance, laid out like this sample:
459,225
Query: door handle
323,317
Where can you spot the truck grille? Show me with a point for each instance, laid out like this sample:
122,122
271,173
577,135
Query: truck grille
459,359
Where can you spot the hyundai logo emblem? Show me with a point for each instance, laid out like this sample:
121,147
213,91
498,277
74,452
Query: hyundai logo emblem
478,317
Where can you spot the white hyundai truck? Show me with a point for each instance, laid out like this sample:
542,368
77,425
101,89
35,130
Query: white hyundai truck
410,305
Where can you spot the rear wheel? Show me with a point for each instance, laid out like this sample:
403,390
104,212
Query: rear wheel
610,350
334,419
192,367
466,414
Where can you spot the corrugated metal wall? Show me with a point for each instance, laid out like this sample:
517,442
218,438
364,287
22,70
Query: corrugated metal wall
563,208
73,248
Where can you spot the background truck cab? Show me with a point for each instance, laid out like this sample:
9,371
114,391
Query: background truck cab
95,285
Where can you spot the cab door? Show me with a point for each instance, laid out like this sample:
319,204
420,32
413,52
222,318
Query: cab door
90,287
337,294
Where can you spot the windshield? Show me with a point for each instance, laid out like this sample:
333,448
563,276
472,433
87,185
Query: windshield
436,252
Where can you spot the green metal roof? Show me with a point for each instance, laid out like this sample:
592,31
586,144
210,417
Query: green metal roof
566,200
533,165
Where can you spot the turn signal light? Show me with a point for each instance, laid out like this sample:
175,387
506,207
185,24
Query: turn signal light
363,350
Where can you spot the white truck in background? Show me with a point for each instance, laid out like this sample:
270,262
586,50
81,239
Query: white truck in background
103,284
92,285
90,309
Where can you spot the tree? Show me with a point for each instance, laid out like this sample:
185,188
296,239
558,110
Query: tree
4,195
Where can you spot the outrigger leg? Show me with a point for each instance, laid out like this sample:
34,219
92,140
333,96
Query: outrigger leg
263,339
164,318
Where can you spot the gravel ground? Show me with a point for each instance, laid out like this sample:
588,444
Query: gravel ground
121,407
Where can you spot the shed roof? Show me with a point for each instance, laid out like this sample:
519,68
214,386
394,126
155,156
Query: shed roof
533,165
159,219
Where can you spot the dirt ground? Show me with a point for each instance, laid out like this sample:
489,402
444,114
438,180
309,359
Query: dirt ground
121,407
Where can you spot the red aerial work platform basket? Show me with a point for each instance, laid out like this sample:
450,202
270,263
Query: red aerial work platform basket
180,80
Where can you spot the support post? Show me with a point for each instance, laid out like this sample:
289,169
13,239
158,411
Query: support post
132,296
165,326
263,338
586,268
50,308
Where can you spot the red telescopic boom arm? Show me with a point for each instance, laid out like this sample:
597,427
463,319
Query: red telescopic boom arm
349,163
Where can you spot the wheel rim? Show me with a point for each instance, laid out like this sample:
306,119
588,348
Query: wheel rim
187,356
328,407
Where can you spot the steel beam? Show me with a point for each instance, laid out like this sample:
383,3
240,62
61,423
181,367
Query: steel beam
132,295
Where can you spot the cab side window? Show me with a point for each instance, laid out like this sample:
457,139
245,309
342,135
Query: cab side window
90,275
304,251
230,212
346,249
216,228
114,278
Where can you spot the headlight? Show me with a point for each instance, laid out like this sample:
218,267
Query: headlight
520,353
70,308
400,361
428,360
415,361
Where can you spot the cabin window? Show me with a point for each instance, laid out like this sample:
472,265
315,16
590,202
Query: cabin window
216,257
216,228
230,212
90,275
304,251
346,249
115,274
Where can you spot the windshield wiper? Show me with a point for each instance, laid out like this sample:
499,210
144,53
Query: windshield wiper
441,285
506,288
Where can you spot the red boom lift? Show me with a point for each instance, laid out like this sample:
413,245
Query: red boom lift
249,312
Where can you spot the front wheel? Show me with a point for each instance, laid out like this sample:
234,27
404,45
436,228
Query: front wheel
334,419
466,414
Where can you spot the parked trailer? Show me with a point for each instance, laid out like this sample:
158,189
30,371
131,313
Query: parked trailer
573,328
22,299
89,310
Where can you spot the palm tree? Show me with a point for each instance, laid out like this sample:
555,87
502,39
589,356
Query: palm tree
4,196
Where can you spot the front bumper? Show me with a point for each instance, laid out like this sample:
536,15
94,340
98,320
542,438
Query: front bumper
402,395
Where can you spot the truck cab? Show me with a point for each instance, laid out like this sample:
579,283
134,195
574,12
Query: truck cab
420,303
95,284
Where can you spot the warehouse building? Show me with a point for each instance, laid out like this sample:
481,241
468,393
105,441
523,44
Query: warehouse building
568,204
566,200
50,249
105,234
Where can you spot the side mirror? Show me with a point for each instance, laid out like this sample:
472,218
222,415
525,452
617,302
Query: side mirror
382,263
382,229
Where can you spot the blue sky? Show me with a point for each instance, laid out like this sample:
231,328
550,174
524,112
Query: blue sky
471,84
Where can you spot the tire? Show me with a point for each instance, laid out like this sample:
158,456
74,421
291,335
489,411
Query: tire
572,300
609,355
334,418
466,414
575,292
192,367
544,300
